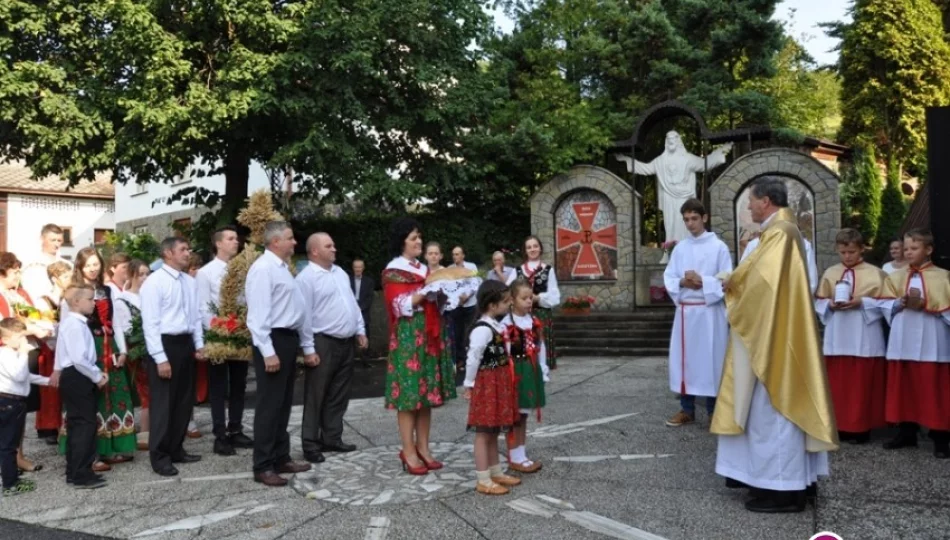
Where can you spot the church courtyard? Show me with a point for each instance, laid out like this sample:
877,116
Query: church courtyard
612,469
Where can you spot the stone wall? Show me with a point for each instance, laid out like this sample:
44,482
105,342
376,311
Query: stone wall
822,182
616,295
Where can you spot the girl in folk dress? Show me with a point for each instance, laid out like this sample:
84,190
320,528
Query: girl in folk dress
128,321
525,341
49,417
420,373
115,435
545,294
13,301
490,386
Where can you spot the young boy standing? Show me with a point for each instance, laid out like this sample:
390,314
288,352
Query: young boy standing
700,330
80,378
854,347
15,380
918,349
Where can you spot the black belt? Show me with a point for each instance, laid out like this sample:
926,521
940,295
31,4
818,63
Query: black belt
182,335
334,338
12,396
283,331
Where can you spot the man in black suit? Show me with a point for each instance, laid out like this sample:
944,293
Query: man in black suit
363,289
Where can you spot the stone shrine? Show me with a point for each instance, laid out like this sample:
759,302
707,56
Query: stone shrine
590,220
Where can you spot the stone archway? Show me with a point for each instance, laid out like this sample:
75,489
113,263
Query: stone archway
821,181
616,293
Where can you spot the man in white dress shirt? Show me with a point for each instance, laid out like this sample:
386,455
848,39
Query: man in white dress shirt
227,380
337,329
174,340
35,281
461,317
279,325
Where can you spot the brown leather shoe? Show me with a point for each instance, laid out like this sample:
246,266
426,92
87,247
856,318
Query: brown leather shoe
506,480
269,478
534,467
293,468
491,489
99,466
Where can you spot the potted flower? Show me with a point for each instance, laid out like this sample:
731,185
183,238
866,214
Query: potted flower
577,305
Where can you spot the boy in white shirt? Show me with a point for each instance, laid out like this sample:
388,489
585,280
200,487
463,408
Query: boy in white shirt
78,382
15,380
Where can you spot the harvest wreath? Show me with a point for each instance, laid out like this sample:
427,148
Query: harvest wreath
228,338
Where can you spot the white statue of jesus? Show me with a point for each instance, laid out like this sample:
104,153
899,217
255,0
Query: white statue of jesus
675,171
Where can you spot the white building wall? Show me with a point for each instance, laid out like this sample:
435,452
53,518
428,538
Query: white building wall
140,201
27,214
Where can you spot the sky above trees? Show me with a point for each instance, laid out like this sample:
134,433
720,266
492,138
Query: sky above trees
808,14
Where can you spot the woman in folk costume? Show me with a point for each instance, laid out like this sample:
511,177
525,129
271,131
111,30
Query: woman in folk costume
420,373
49,417
115,436
490,388
128,321
15,302
853,347
917,305
545,294
525,341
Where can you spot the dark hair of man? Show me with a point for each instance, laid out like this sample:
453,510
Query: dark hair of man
219,235
773,188
169,244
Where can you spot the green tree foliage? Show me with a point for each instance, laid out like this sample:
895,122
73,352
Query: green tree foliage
861,203
575,74
137,246
342,92
806,99
893,211
894,64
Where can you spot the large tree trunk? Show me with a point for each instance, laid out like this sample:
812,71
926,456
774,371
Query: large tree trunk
236,174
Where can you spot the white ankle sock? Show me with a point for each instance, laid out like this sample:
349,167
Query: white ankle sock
518,455
495,470
484,477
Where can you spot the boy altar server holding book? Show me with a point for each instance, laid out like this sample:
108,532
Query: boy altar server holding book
854,339
700,329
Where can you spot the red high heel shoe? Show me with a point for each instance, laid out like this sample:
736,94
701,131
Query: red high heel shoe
421,470
430,465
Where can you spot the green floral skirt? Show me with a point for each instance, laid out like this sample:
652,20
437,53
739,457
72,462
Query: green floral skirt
115,430
546,316
416,379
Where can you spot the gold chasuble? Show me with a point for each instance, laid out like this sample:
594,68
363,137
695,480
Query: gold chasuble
774,340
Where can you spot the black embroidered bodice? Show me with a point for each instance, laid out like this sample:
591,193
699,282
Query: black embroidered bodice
495,354
539,282
103,295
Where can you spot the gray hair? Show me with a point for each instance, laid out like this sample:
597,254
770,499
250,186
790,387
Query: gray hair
772,187
274,230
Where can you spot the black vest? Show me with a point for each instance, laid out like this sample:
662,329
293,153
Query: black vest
495,354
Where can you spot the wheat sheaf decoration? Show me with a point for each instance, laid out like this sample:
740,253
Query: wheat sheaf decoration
228,338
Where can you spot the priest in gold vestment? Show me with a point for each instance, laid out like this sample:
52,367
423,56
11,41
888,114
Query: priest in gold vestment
774,415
